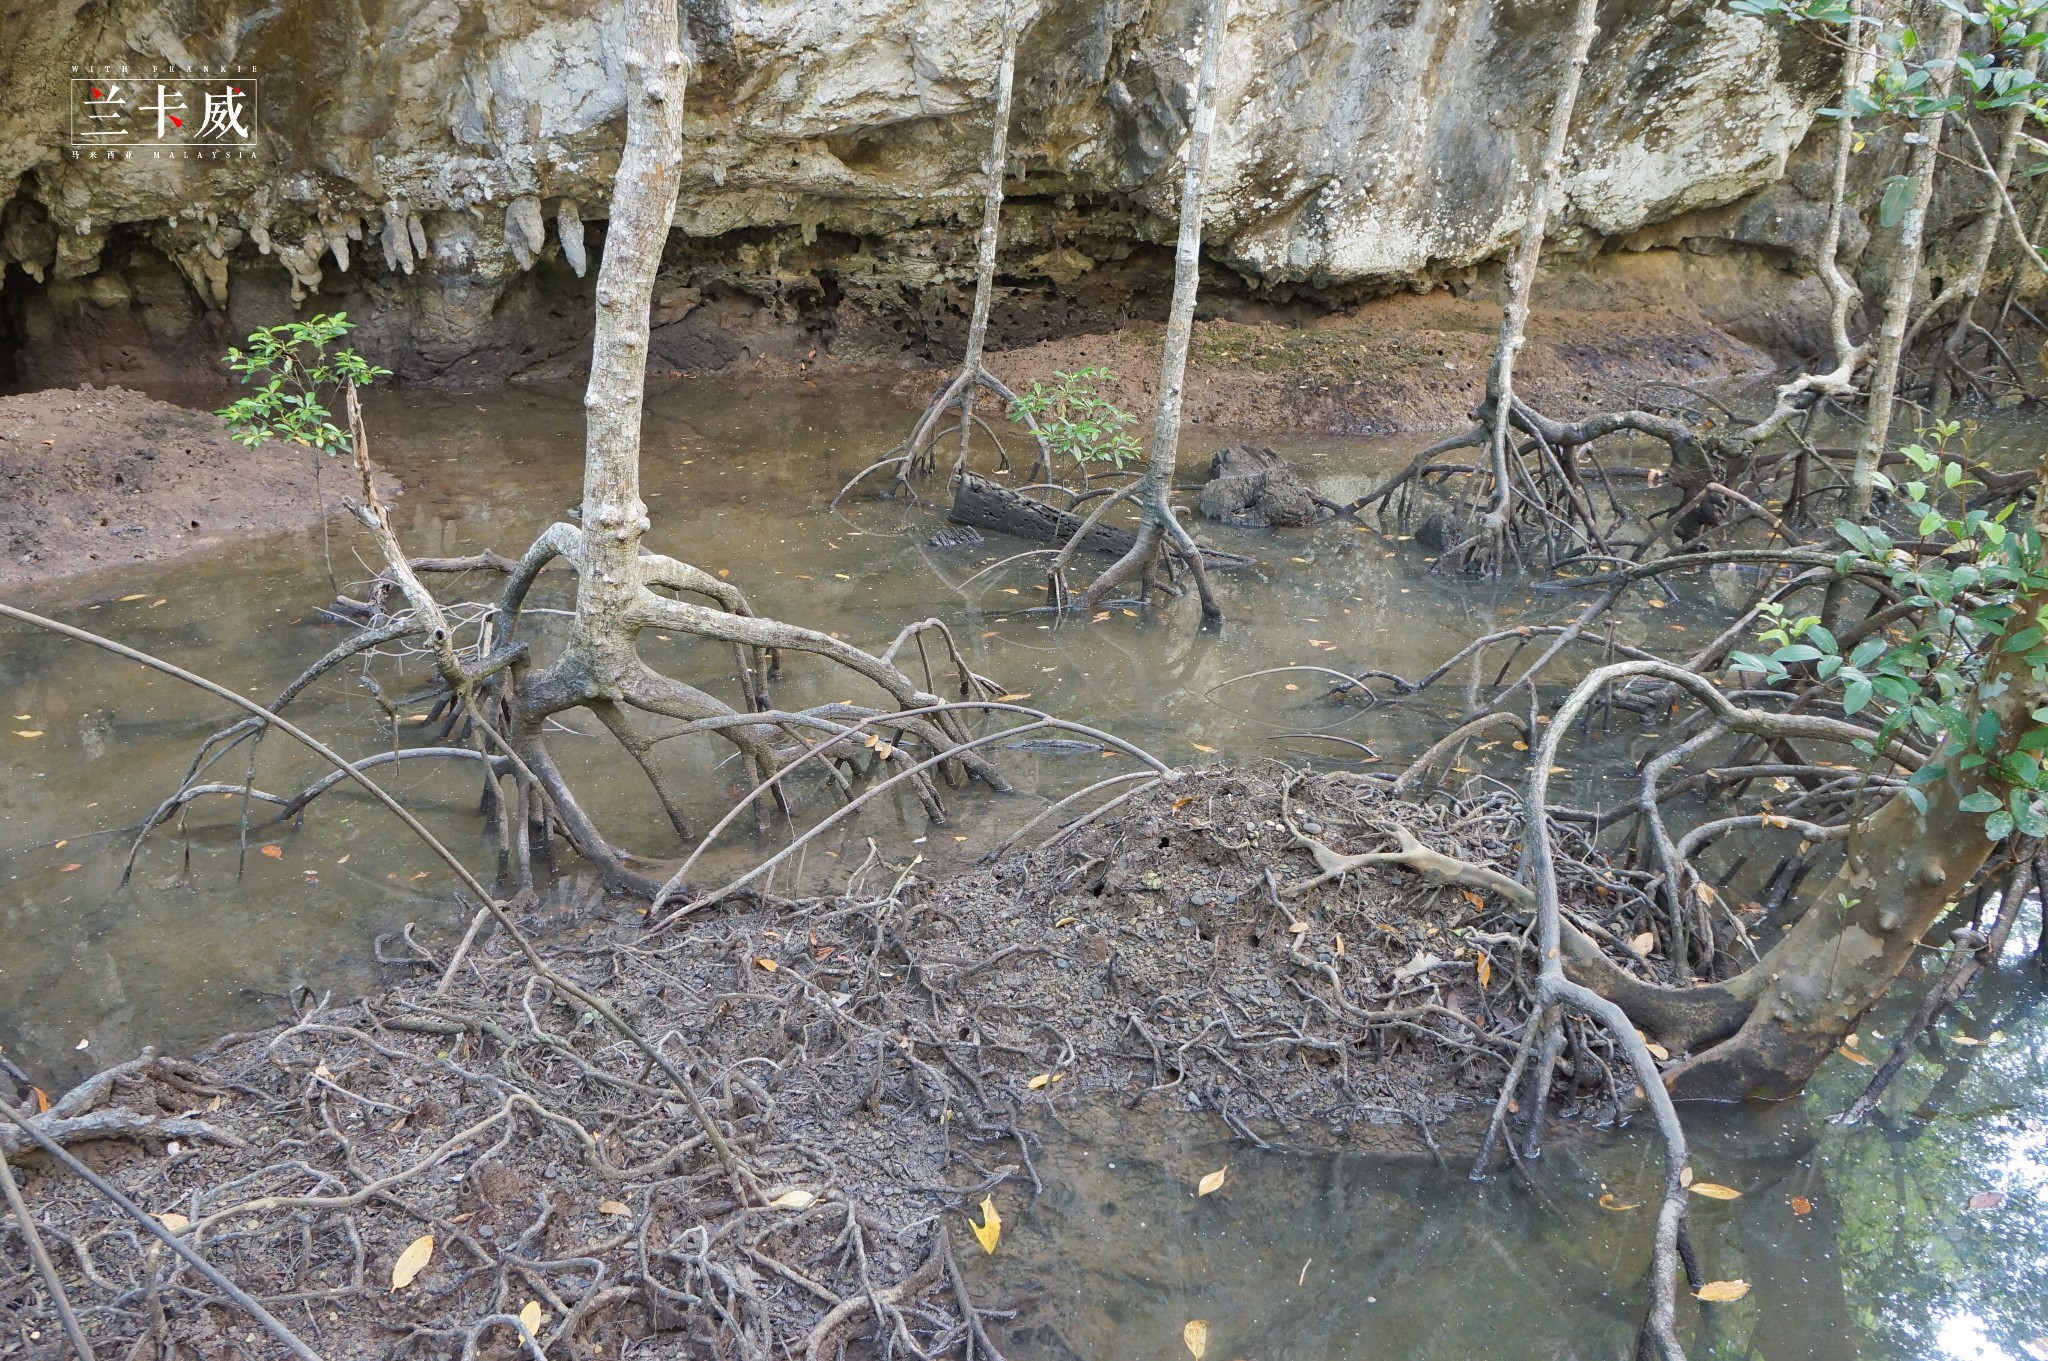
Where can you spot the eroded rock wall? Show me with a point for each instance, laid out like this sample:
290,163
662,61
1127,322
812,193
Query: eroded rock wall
440,168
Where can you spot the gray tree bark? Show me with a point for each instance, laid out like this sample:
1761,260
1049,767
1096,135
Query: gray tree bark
1158,524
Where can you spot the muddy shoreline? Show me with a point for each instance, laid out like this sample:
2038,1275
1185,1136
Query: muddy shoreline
92,478
879,1059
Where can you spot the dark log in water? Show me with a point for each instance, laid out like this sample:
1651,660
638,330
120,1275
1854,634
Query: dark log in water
981,503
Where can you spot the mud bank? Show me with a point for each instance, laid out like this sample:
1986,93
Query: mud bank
1400,364
103,477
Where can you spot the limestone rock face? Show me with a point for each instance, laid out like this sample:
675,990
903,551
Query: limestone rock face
436,162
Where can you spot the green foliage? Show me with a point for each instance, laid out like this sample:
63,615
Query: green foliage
1077,422
296,372
1903,84
1968,575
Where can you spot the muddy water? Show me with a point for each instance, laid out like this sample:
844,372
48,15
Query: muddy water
1302,1256
1857,1242
206,937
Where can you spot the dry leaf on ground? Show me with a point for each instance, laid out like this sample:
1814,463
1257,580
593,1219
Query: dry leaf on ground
989,1231
412,1261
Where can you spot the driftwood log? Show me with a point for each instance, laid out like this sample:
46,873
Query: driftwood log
985,505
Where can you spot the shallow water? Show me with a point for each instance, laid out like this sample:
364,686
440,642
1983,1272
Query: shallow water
1302,1256
1316,1257
205,938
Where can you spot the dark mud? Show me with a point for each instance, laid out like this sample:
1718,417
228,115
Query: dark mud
881,1060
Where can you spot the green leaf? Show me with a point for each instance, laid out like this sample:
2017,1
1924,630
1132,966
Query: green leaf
1855,694
1898,195
1979,801
1998,826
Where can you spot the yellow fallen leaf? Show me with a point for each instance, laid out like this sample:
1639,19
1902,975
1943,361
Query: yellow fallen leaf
28,732
1714,1191
1685,1176
412,1261
1521,746
154,603
1971,1040
770,965
1478,903
529,1318
66,869
1012,699
724,572
613,1207
1484,967
989,1231
1299,928
1657,1051
1132,613
126,598
1720,1292
1207,751
1039,1081
1644,943
1213,1182
1098,616
174,1221
1846,1052
884,750
1608,1202
274,852
794,1200
1656,604
1196,1336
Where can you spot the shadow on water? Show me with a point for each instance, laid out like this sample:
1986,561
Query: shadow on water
1303,1255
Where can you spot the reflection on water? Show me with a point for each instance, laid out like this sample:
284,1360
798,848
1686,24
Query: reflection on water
1857,1242
1301,1256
